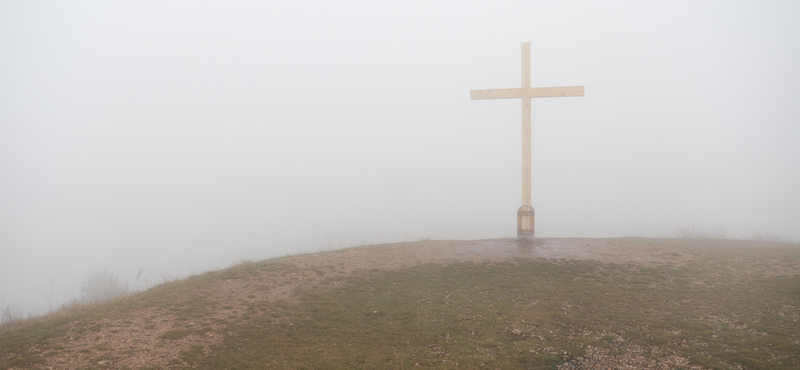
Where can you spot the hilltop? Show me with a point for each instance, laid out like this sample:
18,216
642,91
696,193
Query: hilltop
553,303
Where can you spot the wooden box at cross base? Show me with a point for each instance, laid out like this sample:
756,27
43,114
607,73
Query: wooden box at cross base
525,222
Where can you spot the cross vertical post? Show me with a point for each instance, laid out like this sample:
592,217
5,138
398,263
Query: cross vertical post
525,213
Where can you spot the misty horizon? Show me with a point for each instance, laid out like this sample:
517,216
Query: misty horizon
180,137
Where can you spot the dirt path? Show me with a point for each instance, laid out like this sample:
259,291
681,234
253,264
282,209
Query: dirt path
400,255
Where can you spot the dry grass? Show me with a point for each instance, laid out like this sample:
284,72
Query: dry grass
695,304
689,231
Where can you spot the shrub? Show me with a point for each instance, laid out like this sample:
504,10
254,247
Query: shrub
101,286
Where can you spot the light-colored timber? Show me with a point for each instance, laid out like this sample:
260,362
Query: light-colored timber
525,213
531,92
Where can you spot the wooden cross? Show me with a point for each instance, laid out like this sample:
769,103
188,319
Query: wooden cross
525,212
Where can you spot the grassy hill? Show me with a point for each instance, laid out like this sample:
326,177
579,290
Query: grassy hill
555,303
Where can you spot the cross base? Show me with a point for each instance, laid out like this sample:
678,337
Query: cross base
525,222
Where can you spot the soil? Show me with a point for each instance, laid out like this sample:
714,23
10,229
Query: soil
136,341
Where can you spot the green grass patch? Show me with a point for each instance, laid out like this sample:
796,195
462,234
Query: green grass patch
181,333
527,314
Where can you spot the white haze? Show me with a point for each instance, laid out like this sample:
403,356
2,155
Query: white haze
181,136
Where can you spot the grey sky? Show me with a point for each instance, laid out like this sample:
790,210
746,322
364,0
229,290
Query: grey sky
182,136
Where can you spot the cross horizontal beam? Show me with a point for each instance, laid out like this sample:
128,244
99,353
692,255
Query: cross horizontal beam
530,92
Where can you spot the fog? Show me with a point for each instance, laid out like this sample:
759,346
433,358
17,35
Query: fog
179,137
